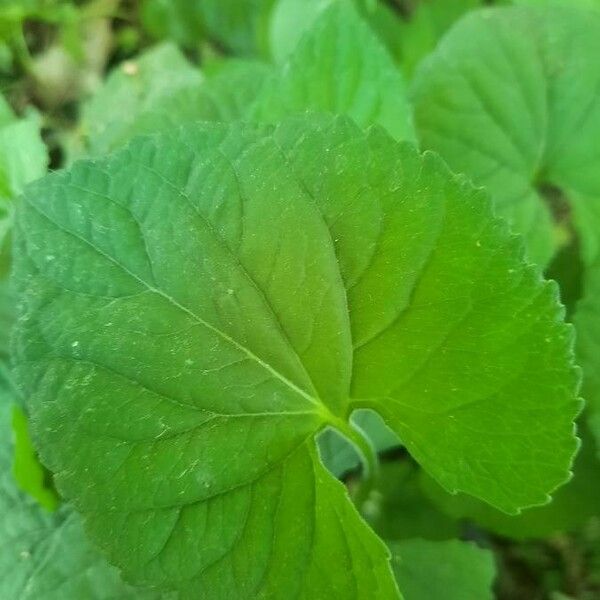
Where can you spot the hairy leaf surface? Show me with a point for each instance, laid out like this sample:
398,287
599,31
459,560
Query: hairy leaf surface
44,555
251,287
511,98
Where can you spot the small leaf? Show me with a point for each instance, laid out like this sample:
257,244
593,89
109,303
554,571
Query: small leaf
339,66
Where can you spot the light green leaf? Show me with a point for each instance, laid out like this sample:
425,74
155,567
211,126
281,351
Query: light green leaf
238,26
572,506
290,19
500,103
449,570
136,93
258,285
420,33
44,555
162,90
339,66
23,156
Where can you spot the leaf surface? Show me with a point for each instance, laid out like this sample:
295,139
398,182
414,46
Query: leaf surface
451,570
497,101
46,555
572,506
161,85
161,91
339,66
251,287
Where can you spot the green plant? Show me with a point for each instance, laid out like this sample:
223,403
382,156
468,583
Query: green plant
267,348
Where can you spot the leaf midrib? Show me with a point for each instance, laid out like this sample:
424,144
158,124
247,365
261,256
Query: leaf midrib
320,408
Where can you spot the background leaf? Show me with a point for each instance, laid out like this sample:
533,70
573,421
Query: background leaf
449,570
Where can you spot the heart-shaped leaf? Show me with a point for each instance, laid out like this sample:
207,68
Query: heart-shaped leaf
197,307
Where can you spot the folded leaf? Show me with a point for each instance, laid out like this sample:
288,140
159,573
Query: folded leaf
251,287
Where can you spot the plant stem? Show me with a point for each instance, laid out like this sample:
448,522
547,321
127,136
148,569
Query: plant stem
368,456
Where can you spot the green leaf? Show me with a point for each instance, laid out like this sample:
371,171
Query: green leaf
398,509
29,474
160,86
258,285
239,27
420,34
44,555
339,66
23,156
497,100
177,20
449,570
162,90
572,506
290,19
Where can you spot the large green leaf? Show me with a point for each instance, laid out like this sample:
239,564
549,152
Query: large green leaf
500,102
251,287
339,66
449,570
